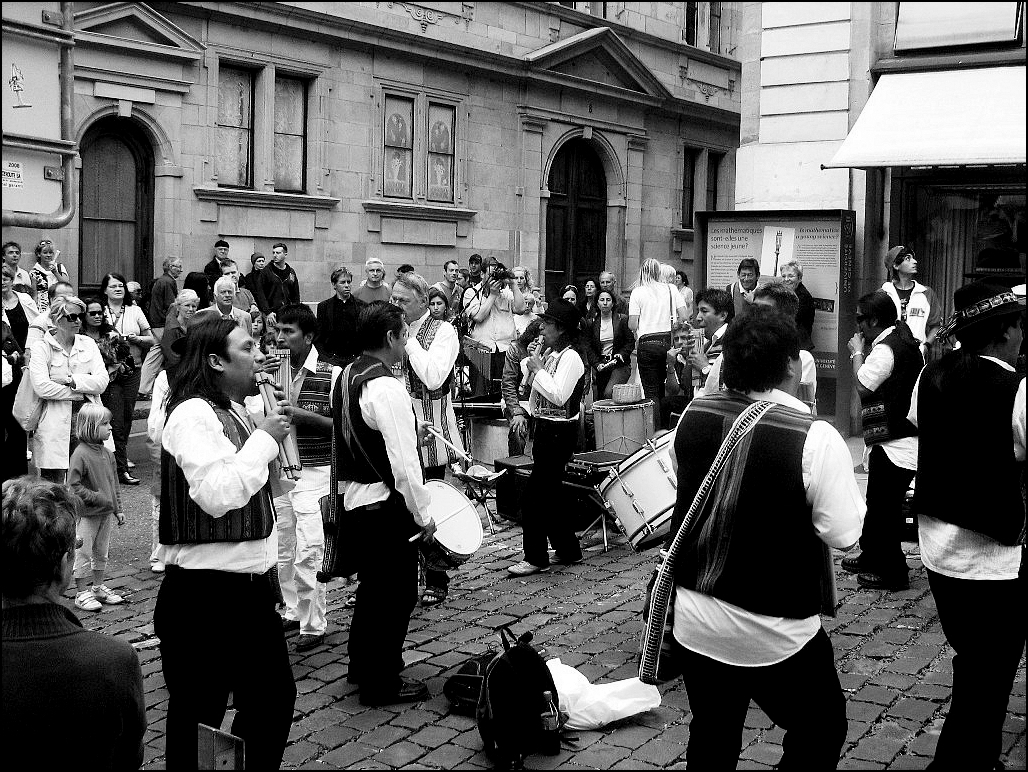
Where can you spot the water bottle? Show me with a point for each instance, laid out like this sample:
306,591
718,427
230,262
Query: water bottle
550,739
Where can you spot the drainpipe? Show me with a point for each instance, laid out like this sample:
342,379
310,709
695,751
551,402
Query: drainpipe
66,148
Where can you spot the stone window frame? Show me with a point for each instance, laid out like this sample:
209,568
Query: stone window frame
265,67
423,98
702,157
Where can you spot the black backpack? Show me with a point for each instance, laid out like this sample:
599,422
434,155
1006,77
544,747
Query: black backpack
514,718
463,688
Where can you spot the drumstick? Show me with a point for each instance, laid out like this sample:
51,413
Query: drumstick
439,522
438,435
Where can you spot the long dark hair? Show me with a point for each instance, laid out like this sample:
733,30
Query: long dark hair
128,300
105,326
194,377
197,282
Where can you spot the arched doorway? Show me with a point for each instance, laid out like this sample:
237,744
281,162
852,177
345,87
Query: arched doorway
116,203
576,218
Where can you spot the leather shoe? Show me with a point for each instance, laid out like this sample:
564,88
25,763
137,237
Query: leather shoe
290,624
306,642
127,479
870,581
410,691
854,564
557,560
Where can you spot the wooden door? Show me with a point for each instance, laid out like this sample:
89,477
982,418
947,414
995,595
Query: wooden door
116,211
576,218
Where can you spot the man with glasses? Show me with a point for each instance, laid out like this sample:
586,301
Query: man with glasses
162,297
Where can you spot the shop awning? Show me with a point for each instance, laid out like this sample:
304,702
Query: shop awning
943,118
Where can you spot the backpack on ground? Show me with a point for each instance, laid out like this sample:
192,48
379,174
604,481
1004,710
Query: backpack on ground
463,688
517,708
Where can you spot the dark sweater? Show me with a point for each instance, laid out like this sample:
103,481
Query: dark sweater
60,680
93,477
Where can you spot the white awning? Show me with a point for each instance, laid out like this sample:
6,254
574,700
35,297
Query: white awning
943,118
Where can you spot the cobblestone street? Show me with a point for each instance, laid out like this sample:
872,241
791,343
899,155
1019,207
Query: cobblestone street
893,660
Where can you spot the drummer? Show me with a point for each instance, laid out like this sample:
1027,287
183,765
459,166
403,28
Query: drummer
556,378
386,505
430,355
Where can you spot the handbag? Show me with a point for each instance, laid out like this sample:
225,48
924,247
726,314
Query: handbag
28,407
656,663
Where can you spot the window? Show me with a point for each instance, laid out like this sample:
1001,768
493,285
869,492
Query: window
440,152
715,28
688,186
399,147
234,160
713,164
690,23
290,152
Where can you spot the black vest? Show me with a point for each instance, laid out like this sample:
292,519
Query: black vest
884,411
182,521
966,471
727,555
372,465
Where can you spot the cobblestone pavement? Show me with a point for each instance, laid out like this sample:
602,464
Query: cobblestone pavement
892,656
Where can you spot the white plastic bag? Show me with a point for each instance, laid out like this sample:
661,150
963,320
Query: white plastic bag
591,706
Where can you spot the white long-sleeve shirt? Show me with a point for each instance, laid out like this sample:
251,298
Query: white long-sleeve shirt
220,479
556,380
386,407
434,365
731,634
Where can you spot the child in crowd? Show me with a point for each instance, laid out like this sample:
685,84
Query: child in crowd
93,477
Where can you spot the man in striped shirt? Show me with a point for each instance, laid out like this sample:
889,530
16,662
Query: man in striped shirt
301,534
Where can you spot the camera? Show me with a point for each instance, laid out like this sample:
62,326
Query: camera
500,272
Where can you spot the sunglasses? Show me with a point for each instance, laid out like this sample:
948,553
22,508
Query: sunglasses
95,313
45,242
74,317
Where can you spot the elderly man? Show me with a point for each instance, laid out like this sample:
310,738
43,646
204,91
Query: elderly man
791,273
244,299
741,291
739,640
610,283
373,287
431,351
224,305
162,296
969,406
213,268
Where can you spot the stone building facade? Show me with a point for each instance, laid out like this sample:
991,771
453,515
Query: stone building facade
566,137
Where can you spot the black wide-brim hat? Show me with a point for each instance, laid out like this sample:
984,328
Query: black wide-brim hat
979,301
563,313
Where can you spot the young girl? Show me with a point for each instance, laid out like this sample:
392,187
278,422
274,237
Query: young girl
93,476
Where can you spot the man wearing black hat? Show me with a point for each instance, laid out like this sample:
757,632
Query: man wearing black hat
213,268
969,407
556,378
885,379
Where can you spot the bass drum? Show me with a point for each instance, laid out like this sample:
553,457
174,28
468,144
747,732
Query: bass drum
458,528
641,491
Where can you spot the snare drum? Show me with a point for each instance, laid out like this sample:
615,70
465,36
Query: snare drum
622,428
458,528
641,491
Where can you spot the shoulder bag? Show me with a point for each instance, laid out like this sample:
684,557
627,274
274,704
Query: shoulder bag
656,664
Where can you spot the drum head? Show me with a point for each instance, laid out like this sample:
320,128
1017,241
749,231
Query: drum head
458,527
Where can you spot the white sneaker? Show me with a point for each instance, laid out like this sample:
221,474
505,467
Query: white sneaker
87,601
106,595
524,568
157,567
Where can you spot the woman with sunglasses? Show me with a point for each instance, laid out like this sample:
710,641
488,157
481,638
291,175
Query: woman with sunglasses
112,348
126,319
47,271
66,369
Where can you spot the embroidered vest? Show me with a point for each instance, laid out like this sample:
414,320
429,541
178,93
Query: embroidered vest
315,448
352,463
415,386
182,521
544,408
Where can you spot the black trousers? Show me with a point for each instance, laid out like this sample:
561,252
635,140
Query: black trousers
15,439
220,633
388,591
880,547
801,694
987,633
120,399
433,578
651,358
546,507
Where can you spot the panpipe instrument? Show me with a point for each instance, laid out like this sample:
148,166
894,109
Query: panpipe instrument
288,454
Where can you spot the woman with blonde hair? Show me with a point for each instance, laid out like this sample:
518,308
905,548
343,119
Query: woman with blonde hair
655,308
67,370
